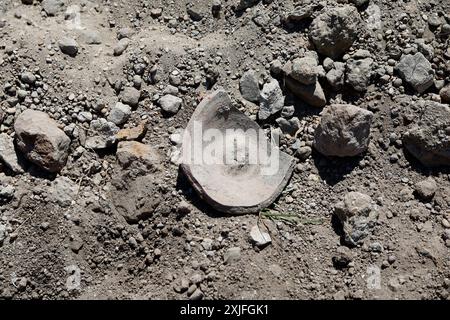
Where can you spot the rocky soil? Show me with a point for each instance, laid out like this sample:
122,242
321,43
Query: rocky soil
94,97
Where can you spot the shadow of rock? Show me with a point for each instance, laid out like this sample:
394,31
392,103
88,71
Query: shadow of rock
337,228
334,169
418,167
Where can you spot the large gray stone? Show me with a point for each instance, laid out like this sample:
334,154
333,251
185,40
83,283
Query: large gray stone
359,73
119,114
416,70
129,152
357,215
344,131
249,86
41,140
170,104
428,138
271,100
305,70
334,30
312,94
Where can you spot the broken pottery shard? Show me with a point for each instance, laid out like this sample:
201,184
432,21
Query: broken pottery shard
229,161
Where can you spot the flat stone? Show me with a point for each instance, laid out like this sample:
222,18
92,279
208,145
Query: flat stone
134,199
334,30
311,94
235,181
119,114
103,134
259,237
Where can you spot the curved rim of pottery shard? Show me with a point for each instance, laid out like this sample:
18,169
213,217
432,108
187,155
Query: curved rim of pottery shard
232,187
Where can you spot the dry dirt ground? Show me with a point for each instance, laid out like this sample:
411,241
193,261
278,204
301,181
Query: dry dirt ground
67,238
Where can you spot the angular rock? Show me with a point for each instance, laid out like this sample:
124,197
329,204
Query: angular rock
249,86
119,114
428,138
103,134
334,30
41,141
357,215
416,70
305,70
228,174
125,33
232,255
311,94
129,152
68,46
195,12
336,75
271,100
52,7
130,134
359,3
170,104
344,131
8,153
359,73
259,237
